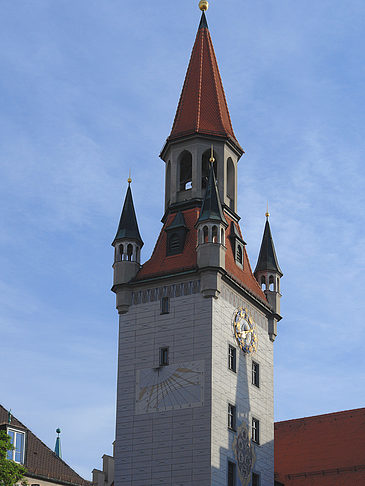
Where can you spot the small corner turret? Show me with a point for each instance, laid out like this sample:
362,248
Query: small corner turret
211,227
268,275
127,252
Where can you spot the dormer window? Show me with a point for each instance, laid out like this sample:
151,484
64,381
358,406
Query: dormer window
237,245
18,441
176,234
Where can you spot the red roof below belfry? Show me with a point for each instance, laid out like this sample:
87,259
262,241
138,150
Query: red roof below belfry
159,264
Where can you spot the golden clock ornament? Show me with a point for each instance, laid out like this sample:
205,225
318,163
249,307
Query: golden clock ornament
244,330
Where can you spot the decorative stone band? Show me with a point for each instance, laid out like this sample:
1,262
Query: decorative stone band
175,290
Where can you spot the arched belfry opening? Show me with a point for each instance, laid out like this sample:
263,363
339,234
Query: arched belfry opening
168,183
185,171
230,183
205,166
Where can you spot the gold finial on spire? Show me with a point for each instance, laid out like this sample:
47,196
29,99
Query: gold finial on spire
212,159
129,180
203,5
267,214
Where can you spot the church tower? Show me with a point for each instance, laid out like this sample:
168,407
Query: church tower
196,329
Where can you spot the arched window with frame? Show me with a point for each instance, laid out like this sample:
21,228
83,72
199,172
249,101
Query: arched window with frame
263,282
129,252
230,183
215,234
205,234
168,183
120,251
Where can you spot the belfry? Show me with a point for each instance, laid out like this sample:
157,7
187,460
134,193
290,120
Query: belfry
196,325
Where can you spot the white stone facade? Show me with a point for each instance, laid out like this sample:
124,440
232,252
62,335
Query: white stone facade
236,388
189,446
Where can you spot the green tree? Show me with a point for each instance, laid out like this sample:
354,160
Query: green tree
10,471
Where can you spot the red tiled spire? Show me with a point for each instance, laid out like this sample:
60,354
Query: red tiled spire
202,106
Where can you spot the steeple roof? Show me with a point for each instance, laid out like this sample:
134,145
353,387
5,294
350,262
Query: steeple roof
211,208
202,107
128,227
57,448
267,257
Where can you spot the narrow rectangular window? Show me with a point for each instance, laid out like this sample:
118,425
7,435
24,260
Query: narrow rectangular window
231,473
255,479
165,307
17,440
255,374
231,417
255,431
164,356
232,358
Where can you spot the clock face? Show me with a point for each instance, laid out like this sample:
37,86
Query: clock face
170,387
244,330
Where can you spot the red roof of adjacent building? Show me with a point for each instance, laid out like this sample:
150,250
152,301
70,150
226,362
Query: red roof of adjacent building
160,264
40,461
325,450
202,106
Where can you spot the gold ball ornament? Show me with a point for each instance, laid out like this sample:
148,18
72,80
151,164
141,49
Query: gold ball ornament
203,5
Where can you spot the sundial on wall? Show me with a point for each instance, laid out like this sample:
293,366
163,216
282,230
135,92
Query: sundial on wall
169,387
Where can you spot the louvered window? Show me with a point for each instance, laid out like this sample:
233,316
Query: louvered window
239,254
174,244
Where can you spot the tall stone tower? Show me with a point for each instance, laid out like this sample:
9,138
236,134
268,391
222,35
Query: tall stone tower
195,370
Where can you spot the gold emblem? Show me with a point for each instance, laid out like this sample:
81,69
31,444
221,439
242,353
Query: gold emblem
244,330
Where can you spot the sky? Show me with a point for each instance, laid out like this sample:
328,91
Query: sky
88,90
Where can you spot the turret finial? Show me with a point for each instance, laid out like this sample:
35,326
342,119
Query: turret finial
57,448
129,180
267,214
212,159
203,5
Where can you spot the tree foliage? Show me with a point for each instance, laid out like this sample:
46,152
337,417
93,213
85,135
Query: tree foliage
10,471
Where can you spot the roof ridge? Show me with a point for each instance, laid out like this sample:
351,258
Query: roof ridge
327,415
200,80
216,74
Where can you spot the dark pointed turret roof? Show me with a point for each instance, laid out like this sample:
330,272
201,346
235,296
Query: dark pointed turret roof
211,208
128,227
267,257
202,107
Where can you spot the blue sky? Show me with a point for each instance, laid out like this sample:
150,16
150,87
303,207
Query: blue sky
88,90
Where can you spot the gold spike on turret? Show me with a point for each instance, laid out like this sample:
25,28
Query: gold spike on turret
212,159
267,214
